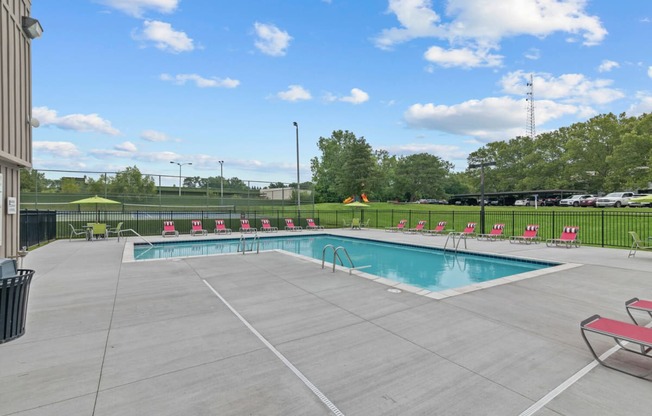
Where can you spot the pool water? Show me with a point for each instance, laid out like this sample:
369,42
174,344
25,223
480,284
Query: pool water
428,268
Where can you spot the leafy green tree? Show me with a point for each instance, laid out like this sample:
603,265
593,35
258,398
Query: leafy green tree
98,186
421,176
32,181
131,181
70,186
346,166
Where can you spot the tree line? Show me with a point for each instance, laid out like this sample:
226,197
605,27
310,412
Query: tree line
603,154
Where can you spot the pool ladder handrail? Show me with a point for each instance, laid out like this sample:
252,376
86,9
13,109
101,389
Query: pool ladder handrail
243,243
461,236
336,256
133,231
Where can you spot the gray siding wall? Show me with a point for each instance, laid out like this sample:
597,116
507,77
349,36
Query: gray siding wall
15,110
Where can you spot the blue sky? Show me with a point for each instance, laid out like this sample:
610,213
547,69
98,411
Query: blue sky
119,83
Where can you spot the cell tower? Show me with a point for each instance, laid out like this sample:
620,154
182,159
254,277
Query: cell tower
530,126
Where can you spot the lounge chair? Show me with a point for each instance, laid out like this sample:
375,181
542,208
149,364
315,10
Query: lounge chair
220,227
638,305
438,230
168,229
312,226
365,224
117,230
637,244
289,225
622,333
197,228
529,235
355,224
469,231
399,227
417,229
568,238
246,228
75,232
266,226
495,234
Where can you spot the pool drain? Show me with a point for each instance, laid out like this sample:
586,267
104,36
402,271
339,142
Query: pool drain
393,290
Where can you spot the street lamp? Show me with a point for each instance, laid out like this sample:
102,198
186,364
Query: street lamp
296,125
221,182
481,165
180,164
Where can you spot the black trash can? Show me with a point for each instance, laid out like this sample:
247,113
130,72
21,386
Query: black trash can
14,291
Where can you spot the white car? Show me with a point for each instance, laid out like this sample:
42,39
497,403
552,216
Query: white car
573,201
523,202
614,199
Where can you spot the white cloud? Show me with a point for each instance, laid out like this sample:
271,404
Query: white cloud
56,149
491,118
294,93
463,57
357,97
126,147
136,8
165,37
533,54
444,151
569,88
271,40
486,22
155,136
76,122
608,65
649,71
201,82
642,106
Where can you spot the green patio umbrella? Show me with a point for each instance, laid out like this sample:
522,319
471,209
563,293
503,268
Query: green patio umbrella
97,201
357,204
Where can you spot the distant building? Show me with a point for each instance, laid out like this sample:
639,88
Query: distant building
279,194
16,33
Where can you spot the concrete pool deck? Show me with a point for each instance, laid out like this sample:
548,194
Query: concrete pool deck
275,334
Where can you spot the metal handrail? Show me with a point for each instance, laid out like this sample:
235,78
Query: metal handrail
336,257
243,243
134,231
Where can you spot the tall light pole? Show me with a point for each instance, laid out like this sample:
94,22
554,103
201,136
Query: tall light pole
481,165
221,182
180,164
296,125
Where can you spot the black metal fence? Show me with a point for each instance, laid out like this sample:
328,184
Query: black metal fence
37,227
598,227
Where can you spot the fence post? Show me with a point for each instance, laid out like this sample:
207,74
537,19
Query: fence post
602,237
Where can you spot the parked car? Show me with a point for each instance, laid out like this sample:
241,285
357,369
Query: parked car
550,202
573,201
639,204
588,202
614,199
524,202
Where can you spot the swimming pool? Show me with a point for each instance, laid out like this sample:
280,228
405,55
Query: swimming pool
427,268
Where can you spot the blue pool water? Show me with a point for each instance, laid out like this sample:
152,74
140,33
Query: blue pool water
427,268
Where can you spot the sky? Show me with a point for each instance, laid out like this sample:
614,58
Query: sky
119,83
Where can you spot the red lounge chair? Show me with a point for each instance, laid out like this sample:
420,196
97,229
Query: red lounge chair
622,333
197,228
399,227
417,229
529,235
168,229
245,227
312,226
265,226
568,238
638,305
438,230
289,225
496,233
220,227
